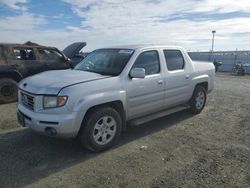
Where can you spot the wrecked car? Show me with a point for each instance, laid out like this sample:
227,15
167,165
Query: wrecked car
73,52
18,61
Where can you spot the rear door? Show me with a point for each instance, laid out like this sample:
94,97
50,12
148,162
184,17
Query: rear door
177,78
146,95
52,59
24,60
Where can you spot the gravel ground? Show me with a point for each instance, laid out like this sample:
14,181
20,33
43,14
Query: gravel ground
211,149
8,118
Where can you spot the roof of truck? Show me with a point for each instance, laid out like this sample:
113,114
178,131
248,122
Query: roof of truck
143,46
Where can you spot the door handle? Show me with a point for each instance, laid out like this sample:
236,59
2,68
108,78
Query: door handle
160,82
187,77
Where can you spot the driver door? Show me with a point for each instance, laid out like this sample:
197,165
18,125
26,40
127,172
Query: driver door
146,95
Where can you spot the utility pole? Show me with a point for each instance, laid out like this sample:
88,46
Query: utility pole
213,32
235,57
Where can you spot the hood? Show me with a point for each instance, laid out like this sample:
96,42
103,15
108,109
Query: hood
73,49
51,82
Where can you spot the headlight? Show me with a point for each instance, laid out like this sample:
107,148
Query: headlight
54,101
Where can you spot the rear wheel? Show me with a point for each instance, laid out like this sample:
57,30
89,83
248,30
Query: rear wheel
100,129
8,90
198,100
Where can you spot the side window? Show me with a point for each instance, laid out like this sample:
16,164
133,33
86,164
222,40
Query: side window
49,55
149,61
174,60
24,54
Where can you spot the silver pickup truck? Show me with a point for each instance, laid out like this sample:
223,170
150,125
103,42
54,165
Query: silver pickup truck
110,88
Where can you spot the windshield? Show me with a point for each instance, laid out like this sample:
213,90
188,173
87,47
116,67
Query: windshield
106,61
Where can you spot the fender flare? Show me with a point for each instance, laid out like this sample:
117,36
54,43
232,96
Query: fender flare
13,74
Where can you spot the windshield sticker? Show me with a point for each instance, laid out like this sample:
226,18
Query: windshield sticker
126,51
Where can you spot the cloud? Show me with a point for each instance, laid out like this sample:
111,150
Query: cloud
22,23
15,4
111,22
139,21
222,6
81,3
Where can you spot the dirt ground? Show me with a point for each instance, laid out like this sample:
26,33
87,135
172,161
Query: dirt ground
211,149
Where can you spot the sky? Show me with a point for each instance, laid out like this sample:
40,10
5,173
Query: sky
104,23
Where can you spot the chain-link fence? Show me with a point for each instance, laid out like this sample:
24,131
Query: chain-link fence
228,58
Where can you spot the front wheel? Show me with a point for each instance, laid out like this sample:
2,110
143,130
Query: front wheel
100,129
8,90
198,100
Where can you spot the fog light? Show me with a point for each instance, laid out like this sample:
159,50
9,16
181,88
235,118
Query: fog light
50,131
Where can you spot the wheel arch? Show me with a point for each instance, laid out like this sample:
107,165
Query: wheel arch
203,84
117,105
14,75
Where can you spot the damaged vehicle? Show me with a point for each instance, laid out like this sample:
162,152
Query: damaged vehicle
18,61
73,52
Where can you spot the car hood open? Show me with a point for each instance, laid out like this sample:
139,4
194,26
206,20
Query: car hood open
73,49
51,82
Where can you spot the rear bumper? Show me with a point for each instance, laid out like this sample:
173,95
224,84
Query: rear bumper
66,125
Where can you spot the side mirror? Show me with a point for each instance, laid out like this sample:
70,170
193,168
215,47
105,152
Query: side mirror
137,73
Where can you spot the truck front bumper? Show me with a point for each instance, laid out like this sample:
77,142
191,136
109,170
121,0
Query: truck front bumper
57,125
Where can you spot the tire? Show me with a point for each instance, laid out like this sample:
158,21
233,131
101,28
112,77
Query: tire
233,71
8,90
242,72
96,135
198,100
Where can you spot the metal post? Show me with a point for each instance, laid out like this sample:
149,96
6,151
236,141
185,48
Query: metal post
213,32
213,40
235,57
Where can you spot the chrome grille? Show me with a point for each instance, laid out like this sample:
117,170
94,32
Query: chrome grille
27,100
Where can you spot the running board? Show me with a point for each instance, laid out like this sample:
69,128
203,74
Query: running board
160,114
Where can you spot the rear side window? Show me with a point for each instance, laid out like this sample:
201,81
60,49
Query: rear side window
174,60
49,55
24,54
149,61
